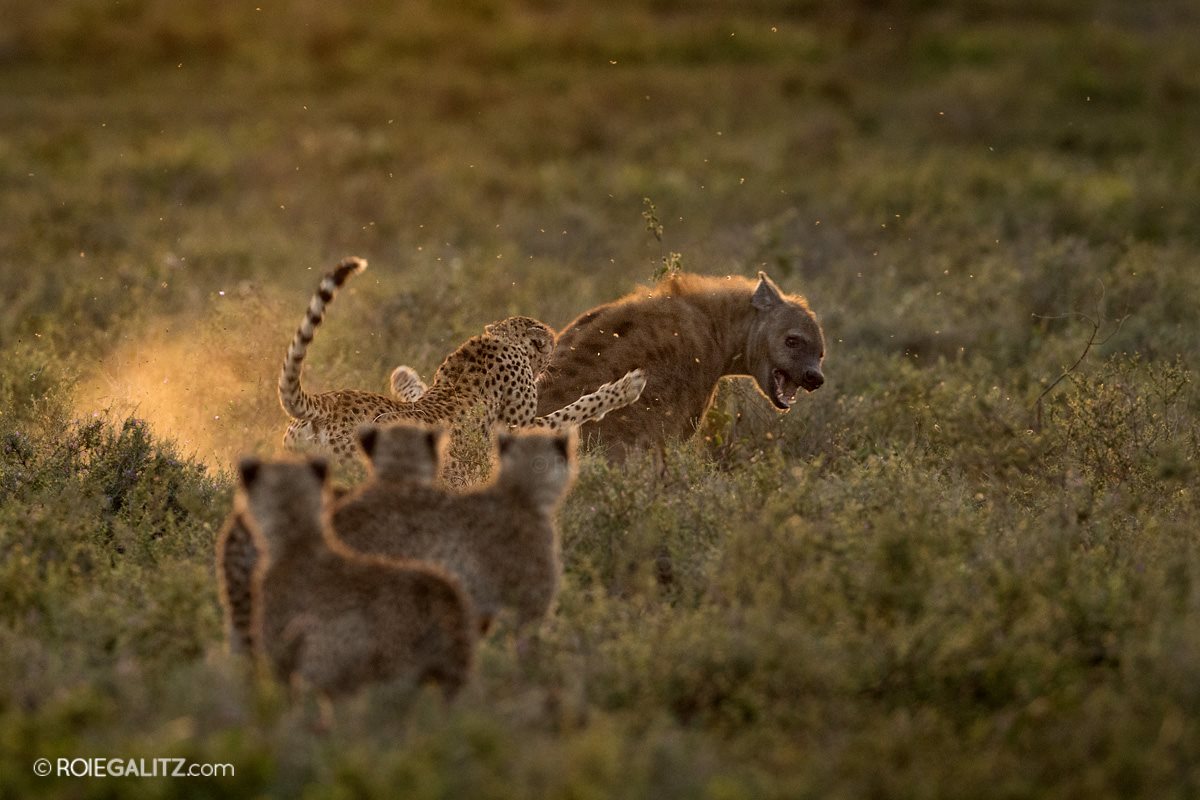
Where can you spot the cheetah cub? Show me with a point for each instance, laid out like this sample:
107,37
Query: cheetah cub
405,453
500,539
496,371
414,456
334,619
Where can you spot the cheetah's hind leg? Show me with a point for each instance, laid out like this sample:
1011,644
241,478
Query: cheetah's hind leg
594,406
405,384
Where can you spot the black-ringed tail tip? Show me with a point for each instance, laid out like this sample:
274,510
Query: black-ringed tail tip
334,280
347,267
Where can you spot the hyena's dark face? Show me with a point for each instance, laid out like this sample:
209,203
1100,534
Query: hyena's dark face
786,346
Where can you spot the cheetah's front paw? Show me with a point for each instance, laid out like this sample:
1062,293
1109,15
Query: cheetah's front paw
623,391
631,385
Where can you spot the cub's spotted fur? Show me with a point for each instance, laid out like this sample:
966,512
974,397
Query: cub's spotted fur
236,559
336,619
500,540
495,372
413,455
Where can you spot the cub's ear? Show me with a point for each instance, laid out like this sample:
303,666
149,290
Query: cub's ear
320,468
489,329
368,437
562,442
766,294
248,470
433,439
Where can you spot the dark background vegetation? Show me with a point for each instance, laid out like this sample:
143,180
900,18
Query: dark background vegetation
921,582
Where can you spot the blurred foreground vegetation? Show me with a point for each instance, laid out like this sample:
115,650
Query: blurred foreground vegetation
944,574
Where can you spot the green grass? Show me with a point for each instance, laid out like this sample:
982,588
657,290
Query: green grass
913,585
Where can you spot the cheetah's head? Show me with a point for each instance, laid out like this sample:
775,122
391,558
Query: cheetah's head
786,345
537,338
284,499
403,452
540,463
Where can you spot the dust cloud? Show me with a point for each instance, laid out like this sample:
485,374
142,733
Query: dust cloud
207,383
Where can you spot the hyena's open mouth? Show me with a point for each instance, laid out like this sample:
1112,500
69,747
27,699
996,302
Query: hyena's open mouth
784,395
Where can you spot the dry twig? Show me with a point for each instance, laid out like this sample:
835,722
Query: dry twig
1097,323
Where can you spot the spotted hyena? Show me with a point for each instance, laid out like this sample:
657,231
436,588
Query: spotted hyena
687,332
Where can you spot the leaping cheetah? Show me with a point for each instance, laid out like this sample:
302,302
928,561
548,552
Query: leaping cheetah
495,371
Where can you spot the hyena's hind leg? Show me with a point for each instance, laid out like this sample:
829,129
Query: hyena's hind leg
592,407
405,384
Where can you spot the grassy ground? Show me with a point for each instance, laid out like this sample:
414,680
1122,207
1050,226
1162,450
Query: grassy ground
922,582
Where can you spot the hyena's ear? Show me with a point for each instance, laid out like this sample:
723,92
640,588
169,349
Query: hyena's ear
766,294
504,441
368,437
320,468
248,470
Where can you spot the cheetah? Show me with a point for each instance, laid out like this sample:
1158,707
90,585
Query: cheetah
499,539
687,333
495,371
332,619
413,455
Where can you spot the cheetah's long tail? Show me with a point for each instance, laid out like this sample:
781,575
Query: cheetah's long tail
291,394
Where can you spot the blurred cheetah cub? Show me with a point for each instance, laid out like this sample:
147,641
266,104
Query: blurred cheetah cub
414,455
405,453
500,539
335,619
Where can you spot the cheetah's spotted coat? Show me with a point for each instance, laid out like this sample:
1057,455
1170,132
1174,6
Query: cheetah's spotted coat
496,371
